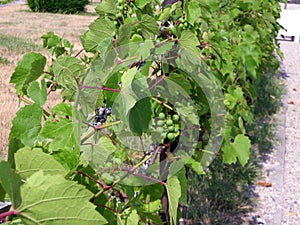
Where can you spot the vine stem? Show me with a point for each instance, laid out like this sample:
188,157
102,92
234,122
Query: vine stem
149,178
157,82
162,103
99,128
100,88
9,213
110,209
130,171
78,53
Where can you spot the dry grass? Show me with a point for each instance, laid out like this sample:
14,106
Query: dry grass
24,29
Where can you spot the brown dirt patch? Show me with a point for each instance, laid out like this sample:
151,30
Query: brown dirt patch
19,21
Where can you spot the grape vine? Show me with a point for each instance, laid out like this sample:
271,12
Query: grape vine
159,89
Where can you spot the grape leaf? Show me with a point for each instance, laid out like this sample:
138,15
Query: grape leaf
174,193
189,41
61,131
50,199
128,217
149,26
30,161
25,129
97,154
140,116
28,69
141,3
10,182
240,148
99,30
67,70
2,193
106,7
38,94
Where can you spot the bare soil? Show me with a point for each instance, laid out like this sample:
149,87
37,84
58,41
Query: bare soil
18,21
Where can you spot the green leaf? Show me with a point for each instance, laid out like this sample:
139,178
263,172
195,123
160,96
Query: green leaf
2,193
240,149
99,30
61,131
189,41
50,199
67,70
174,193
25,129
128,76
10,182
140,116
30,68
51,40
106,7
97,154
38,94
30,161
141,3
141,50
149,26
128,217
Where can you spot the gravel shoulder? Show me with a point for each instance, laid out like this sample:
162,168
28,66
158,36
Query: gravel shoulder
280,204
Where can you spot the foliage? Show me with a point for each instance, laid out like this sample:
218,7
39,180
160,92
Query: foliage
140,109
56,6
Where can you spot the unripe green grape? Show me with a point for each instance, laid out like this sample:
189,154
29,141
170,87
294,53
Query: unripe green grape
171,128
181,25
185,24
119,7
120,1
119,15
160,130
108,165
163,135
162,116
175,118
181,20
160,123
176,129
171,136
169,122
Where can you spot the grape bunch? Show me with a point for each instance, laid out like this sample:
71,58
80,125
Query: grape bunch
124,9
101,114
168,126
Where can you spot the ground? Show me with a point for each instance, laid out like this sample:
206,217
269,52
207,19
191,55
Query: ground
20,32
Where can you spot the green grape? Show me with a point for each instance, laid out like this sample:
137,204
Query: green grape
162,116
176,129
119,15
163,135
181,20
171,128
160,130
175,118
120,1
171,136
169,122
160,123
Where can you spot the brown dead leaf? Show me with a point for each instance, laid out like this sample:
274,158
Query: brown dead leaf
264,184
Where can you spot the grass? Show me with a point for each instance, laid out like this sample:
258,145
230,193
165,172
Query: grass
18,45
2,2
4,60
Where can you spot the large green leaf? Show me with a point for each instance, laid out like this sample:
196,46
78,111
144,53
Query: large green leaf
140,116
97,154
99,30
189,41
30,161
28,69
25,129
50,199
62,130
67,70
107,7
38,94
10,182
149,26
240,149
